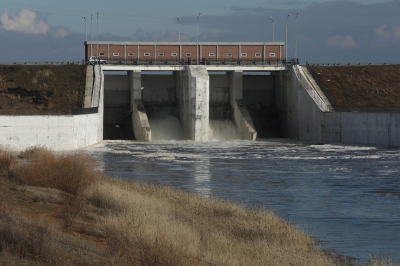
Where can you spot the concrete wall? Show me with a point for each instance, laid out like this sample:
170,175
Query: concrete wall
219,90
307,117
68,132
158,89
258,88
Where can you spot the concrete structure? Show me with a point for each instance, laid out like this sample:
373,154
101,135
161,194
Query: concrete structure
307,115
178,52
66,132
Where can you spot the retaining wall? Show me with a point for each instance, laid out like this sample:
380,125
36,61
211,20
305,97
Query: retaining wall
307,116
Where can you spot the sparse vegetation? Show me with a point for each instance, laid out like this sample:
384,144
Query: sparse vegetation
61,212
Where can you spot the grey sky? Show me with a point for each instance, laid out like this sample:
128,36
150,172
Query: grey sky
328,31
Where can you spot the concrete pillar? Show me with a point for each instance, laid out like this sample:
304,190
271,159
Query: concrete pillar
135,84
140,121
241,116
235,85
193,100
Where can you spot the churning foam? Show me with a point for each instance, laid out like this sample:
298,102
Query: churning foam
222,130
169,128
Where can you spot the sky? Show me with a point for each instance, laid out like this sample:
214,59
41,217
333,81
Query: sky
336,31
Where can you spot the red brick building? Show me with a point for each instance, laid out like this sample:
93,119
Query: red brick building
206,52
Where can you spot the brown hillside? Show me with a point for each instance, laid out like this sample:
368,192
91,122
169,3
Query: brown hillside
360,88
33,90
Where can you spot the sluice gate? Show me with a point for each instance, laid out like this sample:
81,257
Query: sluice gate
188,103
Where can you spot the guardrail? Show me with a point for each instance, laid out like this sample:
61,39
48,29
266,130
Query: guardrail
45,63
208,61
350,64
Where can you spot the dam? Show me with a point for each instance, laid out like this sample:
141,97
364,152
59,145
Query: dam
143,88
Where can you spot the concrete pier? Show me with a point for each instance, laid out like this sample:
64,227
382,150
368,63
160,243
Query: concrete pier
140,121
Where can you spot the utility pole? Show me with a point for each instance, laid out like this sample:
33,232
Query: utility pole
286,37
197,55
295,26
91,20
85,29
273,30
179,29
97,34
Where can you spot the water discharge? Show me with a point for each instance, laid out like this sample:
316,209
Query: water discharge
222,130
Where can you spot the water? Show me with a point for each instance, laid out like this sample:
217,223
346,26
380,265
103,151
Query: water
347,197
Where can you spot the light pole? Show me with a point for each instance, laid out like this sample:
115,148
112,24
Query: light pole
273,32
197,47
91,20
179,29
97,34
295,28
286,36
85,29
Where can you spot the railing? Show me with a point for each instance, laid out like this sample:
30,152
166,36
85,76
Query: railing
203,61
301,77
350,64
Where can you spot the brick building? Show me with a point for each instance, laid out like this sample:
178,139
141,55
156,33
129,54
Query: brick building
208,52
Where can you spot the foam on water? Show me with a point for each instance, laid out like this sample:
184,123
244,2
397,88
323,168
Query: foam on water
222,130
166,129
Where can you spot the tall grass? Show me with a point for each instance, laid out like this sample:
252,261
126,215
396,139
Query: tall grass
71,173
160,226
26,238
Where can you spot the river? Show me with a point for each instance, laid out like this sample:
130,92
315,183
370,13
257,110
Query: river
346,196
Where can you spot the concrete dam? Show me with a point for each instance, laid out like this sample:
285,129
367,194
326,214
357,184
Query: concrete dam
256,101
192,103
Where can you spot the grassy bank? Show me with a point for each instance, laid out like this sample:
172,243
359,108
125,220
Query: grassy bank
57,210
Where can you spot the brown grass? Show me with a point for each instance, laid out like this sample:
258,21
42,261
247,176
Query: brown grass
26,238
114,222
71,173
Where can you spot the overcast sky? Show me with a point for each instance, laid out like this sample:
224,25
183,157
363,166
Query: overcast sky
328,31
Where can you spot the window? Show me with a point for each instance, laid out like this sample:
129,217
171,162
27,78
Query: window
211,54
258,54
188,54
115,54
130,54
174,54
102,54
160,54
229,54
243,54
146,54
271,54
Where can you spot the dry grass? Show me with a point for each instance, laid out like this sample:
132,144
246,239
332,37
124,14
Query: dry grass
71,173
26,238
125,223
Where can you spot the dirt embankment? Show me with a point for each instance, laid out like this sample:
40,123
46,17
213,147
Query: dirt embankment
360,88
41,90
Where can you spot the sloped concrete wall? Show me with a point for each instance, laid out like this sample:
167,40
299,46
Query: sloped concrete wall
306,117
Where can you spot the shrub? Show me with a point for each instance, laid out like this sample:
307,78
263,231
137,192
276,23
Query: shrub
71,173
6,161
27,239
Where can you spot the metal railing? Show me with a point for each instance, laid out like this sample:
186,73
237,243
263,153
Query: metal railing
350,64
45,63
204,61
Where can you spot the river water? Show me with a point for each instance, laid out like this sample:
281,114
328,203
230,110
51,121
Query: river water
347,197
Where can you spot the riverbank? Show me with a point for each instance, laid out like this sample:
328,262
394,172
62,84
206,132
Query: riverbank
56,209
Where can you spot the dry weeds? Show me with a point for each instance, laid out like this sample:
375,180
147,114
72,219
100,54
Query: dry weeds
126,223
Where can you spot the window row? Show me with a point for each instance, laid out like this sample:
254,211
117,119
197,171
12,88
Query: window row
189,54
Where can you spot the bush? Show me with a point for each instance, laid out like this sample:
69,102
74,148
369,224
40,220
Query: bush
71,173
27,239
6,161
